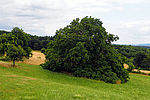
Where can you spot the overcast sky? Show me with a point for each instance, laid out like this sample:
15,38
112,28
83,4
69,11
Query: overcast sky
129,19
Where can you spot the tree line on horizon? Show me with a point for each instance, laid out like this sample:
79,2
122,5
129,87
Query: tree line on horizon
138,55
35,42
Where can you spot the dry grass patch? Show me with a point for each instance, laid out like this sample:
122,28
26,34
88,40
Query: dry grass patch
142,71
126,66
36,59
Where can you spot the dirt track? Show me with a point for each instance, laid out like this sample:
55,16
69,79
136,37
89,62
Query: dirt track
143,71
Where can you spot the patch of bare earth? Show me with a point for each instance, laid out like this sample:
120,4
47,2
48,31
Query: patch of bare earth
36,59
8,64
143,71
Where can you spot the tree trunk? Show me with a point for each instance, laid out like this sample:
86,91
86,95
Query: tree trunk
13,63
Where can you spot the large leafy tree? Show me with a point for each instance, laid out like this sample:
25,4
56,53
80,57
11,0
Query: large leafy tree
84,49
22,39
15,45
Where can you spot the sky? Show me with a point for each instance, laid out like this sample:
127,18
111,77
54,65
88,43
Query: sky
129,19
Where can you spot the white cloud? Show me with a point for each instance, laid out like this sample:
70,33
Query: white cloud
129,1
132,32
39,14
44,17
142,26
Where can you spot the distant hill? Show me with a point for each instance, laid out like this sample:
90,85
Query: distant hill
146,44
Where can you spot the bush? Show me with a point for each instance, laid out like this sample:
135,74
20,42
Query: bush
84,49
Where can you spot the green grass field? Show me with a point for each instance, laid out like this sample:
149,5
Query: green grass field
31,82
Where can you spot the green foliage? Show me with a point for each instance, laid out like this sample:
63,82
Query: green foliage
15,45
28,51
1,50
43,50
84,49
146,63
130,51
142,60
35,42
15,53
129,62
131,67
39,42
4,39
3,32
139,57
21,37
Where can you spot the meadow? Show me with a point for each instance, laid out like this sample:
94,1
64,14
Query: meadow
31,82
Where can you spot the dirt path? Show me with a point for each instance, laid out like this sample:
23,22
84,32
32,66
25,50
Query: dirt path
143,71
36,59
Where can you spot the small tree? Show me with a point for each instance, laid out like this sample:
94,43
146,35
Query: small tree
15,53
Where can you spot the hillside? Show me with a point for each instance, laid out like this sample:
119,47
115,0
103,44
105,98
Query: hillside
31,82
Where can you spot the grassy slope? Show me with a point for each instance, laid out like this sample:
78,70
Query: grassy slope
31,82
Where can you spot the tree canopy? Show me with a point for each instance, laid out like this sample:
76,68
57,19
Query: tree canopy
15,53
15,45
85,49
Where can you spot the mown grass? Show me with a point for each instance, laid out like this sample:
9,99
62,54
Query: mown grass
31,82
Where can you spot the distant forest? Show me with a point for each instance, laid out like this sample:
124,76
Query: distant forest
138,55
36,42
